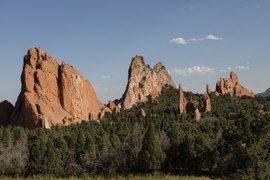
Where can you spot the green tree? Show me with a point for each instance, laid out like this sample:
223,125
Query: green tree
151,155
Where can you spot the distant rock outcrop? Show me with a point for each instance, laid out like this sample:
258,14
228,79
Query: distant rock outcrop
264,94
182,101
111,105
53,94
207,100
231,86
208,89
197,115
142,112
6,109
118,108
144,83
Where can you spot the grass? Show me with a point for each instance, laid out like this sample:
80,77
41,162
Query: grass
129,177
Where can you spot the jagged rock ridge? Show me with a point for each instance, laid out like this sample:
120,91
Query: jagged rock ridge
53,94
232,86
144,83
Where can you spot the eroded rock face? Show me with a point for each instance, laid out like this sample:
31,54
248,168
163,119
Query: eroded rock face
182,101
232,86
144,83
52,93
6,109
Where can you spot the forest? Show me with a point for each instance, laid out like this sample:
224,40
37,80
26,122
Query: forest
231,141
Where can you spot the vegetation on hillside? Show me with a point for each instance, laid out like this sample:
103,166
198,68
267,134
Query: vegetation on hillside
231,141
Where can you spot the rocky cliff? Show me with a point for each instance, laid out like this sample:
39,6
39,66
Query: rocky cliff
232,86
144,83
53,94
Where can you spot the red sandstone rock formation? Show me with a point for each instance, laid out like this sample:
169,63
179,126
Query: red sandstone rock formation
232,86
118,108
142,112
197,115
6,109
207,100
144,83
182,101
111,105
207,103
208,89
53,94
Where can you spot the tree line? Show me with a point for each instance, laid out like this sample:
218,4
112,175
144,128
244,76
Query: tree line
231,141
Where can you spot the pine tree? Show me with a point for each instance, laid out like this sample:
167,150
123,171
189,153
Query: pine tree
151,155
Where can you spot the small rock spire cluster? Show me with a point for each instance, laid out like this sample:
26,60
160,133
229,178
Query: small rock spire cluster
232,86
183,103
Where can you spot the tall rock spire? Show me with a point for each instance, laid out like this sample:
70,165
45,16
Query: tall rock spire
182,101
207,100
144,83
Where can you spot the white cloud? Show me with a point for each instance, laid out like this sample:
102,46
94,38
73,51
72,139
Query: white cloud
178,41
183,41
212,37
194,70
206,70
242,67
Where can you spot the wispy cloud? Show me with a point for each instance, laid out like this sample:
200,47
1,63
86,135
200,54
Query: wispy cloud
182,41
212,37
206,70
244,68
179,41
194,70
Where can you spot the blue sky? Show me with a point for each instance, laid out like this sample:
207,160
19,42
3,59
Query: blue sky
197,41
